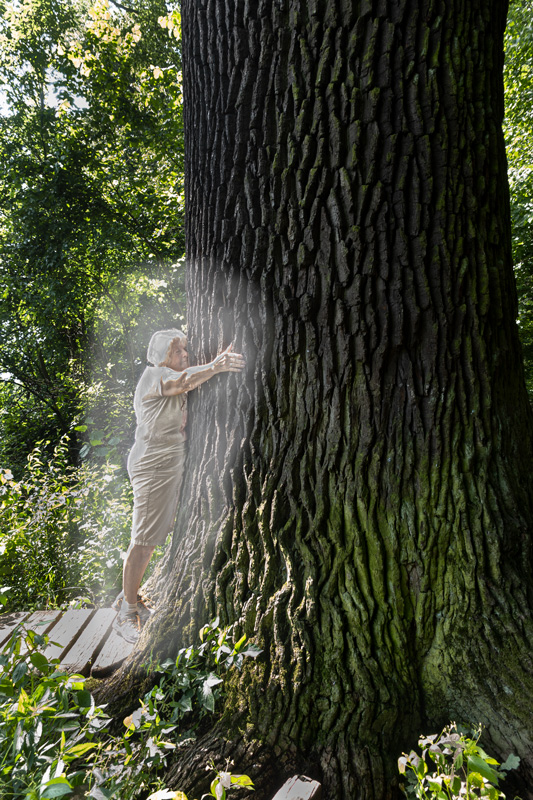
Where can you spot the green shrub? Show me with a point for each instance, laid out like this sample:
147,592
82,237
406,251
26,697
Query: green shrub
63,531
53,737
38,526
453,765
48,723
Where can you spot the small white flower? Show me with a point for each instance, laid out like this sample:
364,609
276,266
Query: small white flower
225,779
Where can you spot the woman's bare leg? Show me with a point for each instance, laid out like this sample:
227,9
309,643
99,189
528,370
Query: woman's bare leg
135,563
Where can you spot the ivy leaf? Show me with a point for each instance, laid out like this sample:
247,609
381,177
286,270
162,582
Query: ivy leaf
208,699
513,762
241,780
252,651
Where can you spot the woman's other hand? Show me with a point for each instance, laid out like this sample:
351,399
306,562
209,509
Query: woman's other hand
228,361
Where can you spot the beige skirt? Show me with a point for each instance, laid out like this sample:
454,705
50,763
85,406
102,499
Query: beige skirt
156,485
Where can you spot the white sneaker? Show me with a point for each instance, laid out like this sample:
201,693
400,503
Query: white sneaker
144,611
128,626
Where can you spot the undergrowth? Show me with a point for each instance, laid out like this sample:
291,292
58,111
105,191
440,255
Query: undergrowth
63,530
55,741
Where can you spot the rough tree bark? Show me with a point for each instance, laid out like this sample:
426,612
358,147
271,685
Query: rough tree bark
360,501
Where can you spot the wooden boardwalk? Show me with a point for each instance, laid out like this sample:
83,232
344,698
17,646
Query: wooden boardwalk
82,639
85,644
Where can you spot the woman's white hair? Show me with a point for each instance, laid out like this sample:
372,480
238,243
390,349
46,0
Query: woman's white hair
160,343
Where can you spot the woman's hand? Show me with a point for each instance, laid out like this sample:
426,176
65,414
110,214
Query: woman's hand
228,361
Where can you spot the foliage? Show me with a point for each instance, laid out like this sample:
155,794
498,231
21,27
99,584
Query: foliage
91,206
54,738
460,768
224,780
48,722
518,128
220,785
192,683
38,529
63,530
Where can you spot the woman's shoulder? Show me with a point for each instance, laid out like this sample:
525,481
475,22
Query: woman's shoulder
156,373
150,381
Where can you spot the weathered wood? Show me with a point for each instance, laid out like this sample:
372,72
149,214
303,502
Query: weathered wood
66,632
41,622
113,653
299,787
85,650
8,623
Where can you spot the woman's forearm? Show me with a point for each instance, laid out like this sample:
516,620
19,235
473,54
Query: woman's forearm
191,377
195,376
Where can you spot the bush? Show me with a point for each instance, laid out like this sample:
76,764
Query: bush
63,530
453,765
53,737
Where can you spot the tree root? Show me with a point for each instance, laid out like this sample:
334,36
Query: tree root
191,772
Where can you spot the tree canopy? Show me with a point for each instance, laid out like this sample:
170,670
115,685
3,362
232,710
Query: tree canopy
91,208
519,138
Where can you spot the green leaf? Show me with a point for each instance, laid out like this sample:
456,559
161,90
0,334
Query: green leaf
39,661
81,749
19,671
252,650
456,784
84,699
477,764
241,780
208,699
185,703
421,768
435,783
513,762
57,787
217,790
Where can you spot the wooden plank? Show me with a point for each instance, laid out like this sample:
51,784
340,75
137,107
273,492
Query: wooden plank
113,653
84,651
41,622
66,632
299,787
8,623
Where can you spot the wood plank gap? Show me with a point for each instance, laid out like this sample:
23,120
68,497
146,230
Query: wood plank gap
67,631
86,649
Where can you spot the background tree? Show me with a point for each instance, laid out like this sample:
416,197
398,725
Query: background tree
519,139
91,213
361,501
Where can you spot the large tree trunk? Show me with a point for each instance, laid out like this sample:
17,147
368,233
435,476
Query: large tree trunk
360,500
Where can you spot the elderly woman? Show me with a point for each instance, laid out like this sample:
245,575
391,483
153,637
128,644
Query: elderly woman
156,461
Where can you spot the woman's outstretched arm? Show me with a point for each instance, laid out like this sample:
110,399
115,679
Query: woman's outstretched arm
192,377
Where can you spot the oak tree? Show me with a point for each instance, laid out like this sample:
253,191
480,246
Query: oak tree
360,501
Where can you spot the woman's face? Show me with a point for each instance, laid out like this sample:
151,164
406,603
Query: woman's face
179,358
